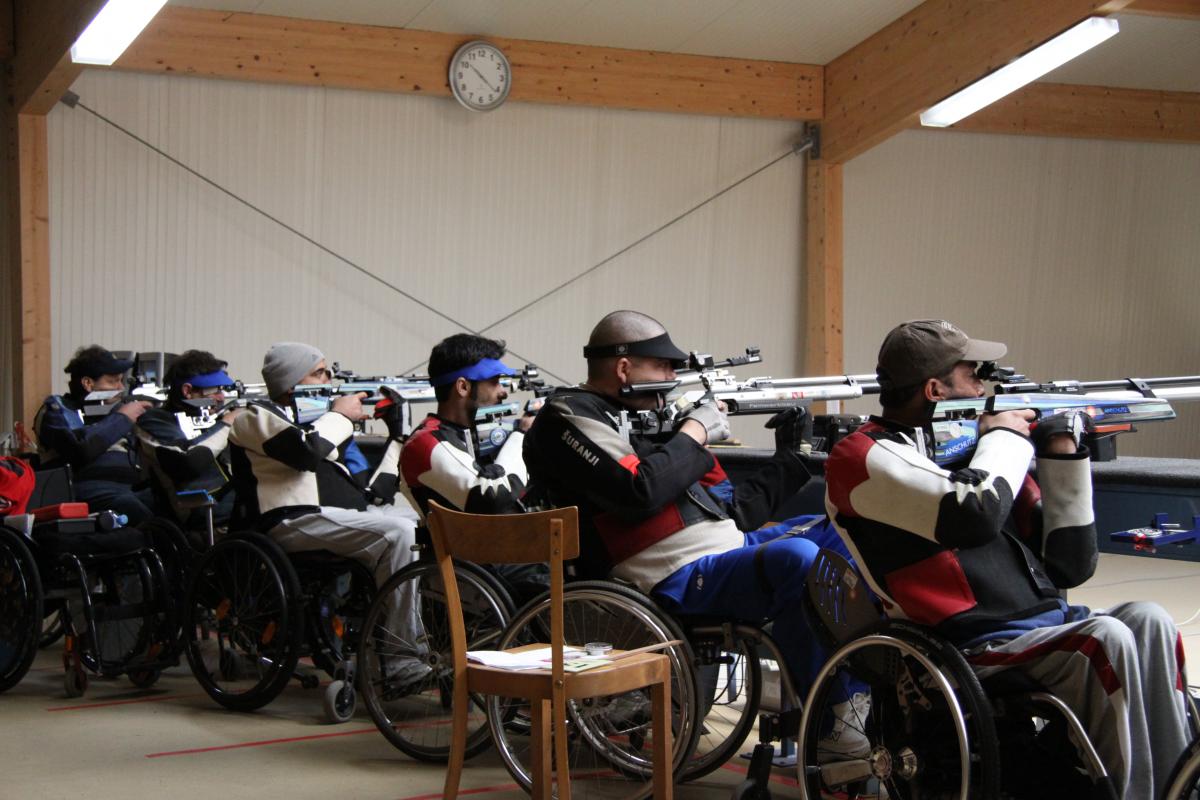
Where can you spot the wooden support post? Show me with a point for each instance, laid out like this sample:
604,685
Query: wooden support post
34,273
823,268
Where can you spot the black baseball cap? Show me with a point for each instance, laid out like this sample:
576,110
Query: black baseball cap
659,346
920,349
94,361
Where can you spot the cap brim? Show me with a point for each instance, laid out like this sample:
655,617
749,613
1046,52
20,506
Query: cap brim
983,350
218,378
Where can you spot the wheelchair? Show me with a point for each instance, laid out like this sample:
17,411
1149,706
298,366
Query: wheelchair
251,612
106,590
931,728
406,672
716,688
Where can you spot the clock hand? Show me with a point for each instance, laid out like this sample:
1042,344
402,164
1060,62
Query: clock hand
485,80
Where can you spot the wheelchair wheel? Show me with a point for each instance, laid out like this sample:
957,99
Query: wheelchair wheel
125,608
20,609
406,678
1185,778
729,691
242,621
926,730
610,737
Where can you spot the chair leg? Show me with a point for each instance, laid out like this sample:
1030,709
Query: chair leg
458,739
660,706
539,745
562,763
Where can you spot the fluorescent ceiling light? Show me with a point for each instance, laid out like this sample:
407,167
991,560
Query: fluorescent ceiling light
1026,69
113,29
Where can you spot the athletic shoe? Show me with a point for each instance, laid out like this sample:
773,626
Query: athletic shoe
847,740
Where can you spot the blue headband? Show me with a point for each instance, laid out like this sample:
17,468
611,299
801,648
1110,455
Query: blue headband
482,370
211,379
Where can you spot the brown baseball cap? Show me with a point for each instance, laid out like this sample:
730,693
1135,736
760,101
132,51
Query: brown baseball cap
920,349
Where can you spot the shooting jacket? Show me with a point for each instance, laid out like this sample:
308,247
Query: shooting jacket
178,463
103,450
282,471
646,509
439,462
969,550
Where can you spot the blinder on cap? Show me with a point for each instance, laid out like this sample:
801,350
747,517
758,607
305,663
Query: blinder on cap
210,379
659,346
482,370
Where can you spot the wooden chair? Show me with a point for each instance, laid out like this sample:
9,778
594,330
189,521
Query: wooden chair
546,536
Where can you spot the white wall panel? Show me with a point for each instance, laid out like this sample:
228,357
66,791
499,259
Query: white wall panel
1084,257
475,214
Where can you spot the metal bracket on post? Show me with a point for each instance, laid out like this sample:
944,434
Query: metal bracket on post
810,142
69,99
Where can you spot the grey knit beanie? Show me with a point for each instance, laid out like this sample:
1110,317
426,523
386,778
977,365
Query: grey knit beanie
286,363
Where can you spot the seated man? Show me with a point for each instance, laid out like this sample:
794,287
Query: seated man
100,449
981,552
648,514
294,480
440,460
181,463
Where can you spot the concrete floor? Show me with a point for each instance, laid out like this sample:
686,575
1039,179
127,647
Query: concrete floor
171,742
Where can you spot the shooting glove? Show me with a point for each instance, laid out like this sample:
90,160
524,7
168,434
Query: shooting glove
1075,423
789,429
713,419
391,414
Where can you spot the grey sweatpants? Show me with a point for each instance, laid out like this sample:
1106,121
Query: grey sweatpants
380,538
1119,670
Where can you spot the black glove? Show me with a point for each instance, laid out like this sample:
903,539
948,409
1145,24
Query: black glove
392,416
789,429
1074,423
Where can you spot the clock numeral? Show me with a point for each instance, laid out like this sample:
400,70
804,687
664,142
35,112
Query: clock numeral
500,77
462,86
458,75
489,98
464,64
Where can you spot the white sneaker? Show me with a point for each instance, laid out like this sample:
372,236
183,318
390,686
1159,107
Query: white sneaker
847,740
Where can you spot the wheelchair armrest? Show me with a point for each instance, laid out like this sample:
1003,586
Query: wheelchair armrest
20,524
60,511
194,498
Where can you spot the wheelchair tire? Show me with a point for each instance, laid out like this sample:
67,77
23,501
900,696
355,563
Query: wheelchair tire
928,731
242,622
339,702
609,749
730,689
1185,777
406,682
20,609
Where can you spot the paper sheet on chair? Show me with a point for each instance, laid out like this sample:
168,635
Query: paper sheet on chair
528,659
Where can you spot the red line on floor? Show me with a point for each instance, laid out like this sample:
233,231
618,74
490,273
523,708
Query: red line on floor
262,743
86,706
503,787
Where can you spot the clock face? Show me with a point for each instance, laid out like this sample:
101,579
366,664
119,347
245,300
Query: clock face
480,76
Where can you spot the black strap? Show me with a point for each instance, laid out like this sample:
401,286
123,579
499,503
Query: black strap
760,568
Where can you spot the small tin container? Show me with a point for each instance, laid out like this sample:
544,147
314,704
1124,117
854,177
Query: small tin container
598,648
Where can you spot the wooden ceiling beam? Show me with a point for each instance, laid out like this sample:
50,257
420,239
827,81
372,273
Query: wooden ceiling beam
878,87
43,32
214,44
1178,9
1091,112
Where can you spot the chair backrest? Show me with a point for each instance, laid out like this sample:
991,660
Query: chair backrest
540,536
840,597
53,486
